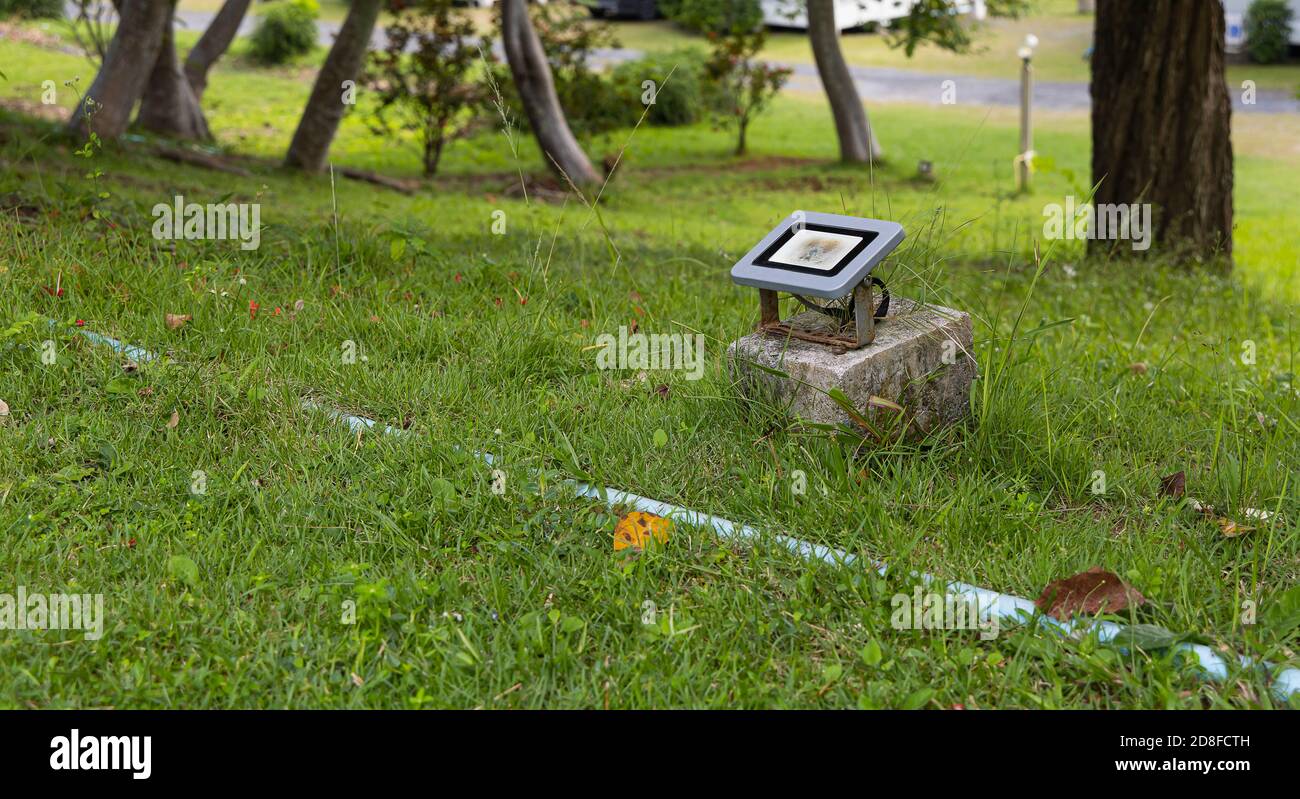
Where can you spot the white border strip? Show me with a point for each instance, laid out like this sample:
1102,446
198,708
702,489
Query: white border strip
1007,607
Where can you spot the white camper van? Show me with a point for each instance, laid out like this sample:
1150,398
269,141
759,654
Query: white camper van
851,13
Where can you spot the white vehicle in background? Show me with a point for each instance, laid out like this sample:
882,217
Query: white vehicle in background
851,14
1234,12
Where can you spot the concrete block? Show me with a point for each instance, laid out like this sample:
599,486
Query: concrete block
921,359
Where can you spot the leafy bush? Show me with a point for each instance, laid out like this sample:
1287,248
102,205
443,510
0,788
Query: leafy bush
33,9
746,85
713,16
424,77
286,29
678,100
1268,27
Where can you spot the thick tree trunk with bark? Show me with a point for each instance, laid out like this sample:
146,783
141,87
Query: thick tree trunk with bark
126,69
169,106
858,142
1161,119
320,119
213,43
532,75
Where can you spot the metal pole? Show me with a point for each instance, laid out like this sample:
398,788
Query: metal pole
1026,124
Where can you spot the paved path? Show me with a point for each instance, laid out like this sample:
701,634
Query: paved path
880,84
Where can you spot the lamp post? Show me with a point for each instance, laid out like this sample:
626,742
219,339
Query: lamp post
1025,159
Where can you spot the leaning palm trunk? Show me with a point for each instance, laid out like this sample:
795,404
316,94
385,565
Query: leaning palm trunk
532,75
213,43
858,142
320,119
127,66
169,106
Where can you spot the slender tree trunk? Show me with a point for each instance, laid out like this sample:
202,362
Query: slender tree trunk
1161,119
126,69
213,43
320,119
532,75
858,142
169,106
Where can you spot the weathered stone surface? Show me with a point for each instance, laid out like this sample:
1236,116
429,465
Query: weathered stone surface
921,359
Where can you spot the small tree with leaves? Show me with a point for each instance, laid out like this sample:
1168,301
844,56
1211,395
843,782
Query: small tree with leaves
423,80
743,85
940,22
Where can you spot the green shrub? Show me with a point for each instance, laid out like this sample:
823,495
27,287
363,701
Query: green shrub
1268,27
286,29
713,16
33,9
679,100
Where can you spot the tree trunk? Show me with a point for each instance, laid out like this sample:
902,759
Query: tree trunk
320,119
1161,119
169,106
213,43
858,142
532,75
126,69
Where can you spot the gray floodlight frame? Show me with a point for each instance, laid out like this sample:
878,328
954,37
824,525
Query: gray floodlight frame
852,277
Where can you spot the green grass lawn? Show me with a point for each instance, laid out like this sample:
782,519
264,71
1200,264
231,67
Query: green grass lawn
474,341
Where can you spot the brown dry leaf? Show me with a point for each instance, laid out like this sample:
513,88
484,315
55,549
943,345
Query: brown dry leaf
635,529
1089,592
4,411
1173,485
663,390
1230,528
1138,368
176,320
174,420
130,366
298,305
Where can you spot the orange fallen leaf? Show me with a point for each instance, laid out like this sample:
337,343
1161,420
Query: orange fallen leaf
174,420
1139,368
1089,592
635,530
175,320
1230,528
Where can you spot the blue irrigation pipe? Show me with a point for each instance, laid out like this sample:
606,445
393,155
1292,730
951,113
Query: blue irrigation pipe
1006,607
